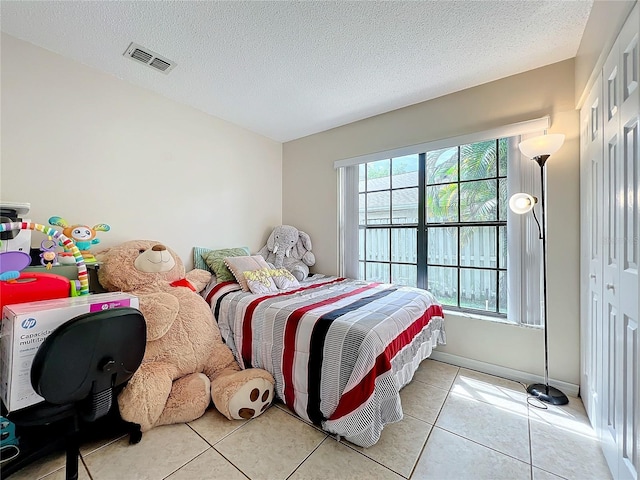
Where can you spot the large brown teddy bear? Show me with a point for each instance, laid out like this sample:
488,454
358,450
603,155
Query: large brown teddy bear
186,363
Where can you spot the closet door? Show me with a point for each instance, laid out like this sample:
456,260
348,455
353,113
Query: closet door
626,284
620,405
610,254
591,251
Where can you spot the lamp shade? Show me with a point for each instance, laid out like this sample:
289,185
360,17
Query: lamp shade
522,202
542,145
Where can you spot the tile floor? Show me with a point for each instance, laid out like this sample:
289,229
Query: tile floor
459,424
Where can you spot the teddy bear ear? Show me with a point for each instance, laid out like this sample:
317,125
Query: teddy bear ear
102,254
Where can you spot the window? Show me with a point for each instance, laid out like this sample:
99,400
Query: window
436,216
453,201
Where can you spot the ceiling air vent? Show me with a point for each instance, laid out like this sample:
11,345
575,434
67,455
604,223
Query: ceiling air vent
149,58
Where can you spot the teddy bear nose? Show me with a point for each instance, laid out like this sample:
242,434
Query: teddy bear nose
158,248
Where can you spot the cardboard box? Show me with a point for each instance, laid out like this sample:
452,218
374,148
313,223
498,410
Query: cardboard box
26,325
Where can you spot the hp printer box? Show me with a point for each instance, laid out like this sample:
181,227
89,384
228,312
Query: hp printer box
26,325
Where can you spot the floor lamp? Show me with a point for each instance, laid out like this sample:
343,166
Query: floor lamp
540,149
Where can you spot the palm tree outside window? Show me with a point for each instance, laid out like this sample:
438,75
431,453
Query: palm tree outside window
438,220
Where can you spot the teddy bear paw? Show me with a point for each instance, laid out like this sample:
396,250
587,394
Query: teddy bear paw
253,398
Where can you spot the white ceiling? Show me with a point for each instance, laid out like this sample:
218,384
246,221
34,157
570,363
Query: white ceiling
289,69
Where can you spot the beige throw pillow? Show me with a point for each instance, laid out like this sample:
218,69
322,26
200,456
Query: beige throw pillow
239,265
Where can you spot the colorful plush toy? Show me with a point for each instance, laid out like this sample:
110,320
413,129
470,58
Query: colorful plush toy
83,236
290,248
186,364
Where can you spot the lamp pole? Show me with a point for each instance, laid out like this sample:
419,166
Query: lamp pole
545,393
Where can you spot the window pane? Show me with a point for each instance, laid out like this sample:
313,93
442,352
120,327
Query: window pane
478,201
442,246
378,208
503,292
478,160
502,247
378,244
404,275
378,175
378,272
404,245
442,203
404,171
502,199
405,206
478,246
503,148
465,212
443,283
478,289
442,166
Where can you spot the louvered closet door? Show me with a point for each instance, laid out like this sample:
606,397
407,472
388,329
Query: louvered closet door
628,248
591,251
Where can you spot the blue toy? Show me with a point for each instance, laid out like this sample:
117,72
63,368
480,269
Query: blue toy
8,441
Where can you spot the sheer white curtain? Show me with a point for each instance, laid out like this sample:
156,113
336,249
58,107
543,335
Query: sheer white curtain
348,218
524,247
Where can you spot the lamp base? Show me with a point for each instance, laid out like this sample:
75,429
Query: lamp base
547,394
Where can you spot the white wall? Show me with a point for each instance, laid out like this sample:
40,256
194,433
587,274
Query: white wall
310,202
91,148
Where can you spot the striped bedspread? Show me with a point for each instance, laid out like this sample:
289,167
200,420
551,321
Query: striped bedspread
339,349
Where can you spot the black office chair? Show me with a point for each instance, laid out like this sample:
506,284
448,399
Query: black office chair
79,368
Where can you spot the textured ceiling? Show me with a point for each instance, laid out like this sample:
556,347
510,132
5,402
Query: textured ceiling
289,69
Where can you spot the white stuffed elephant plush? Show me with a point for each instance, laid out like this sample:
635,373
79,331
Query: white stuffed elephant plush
290,248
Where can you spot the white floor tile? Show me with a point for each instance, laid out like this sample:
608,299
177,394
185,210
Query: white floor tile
161,451
333,460
422,401
539,474
438,374
399,446
450,457
569,451
271,446
209,464
502,428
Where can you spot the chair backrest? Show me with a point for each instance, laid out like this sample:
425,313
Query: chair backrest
89,356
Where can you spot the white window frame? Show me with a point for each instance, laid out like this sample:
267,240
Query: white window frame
524,255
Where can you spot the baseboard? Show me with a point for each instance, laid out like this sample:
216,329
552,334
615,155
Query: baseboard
504,372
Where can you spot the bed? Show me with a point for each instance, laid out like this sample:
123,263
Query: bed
339,349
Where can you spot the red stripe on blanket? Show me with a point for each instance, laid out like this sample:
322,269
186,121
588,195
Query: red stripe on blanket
217,288
354,398
289,343
247,334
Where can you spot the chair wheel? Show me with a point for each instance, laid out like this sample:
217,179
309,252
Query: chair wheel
135,434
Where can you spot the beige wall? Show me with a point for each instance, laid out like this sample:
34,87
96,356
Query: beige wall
310,202
91,148
600,33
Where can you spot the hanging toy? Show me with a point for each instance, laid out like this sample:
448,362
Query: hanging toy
83,236
49,256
